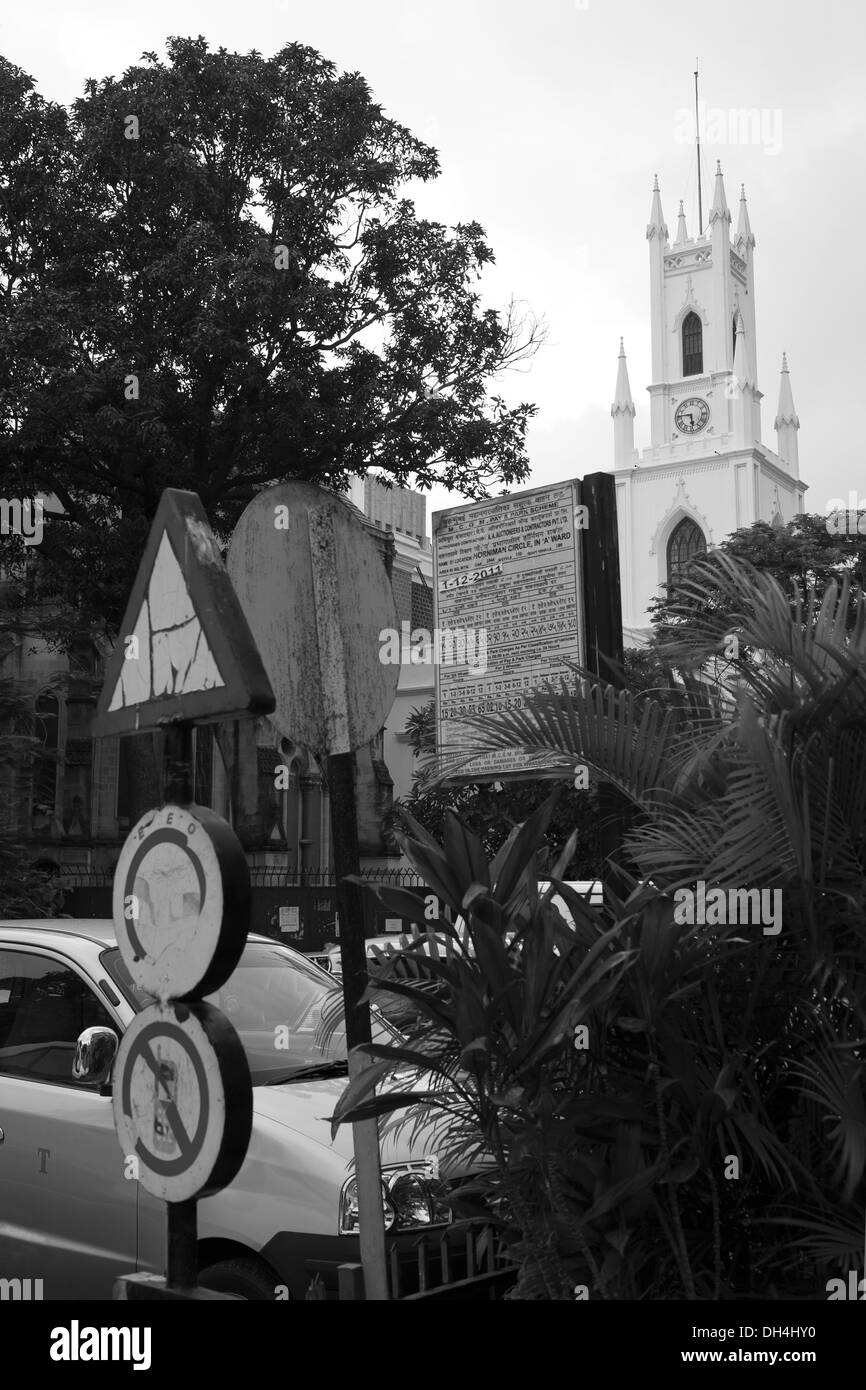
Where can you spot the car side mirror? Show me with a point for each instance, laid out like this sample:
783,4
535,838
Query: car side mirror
95,1051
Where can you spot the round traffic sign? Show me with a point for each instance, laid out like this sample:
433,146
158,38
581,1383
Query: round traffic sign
316,595
181,902
183,1101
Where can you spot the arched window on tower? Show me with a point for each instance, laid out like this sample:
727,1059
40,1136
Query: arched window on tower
686,541
693,345
734,337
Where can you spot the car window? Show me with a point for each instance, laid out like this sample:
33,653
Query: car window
288,1013
44,1005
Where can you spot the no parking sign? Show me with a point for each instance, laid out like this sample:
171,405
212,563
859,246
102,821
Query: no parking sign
183,1102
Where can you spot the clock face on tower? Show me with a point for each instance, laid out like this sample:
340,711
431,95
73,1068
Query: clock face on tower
691,415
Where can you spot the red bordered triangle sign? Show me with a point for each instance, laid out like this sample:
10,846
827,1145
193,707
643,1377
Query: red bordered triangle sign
185,650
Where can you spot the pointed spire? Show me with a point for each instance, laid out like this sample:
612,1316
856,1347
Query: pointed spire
682,234
656,225
622,401
741,366
720,203
787,424
623,413
744,227
786,414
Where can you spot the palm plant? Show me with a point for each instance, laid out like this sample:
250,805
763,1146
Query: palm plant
749,770
709,1139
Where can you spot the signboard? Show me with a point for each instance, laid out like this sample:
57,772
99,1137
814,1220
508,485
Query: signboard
290,920
181,901
508,611
316,595
183,1100
184,650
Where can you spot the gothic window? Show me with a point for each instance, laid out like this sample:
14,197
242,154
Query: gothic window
693,345
686,541
733,337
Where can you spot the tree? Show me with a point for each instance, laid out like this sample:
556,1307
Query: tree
212,277
802,554
25,889
729,1048
491,810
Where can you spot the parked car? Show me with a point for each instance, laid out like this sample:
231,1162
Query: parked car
72,1213
378,948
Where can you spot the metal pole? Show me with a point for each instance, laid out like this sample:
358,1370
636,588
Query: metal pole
353,960
698,137
181,1271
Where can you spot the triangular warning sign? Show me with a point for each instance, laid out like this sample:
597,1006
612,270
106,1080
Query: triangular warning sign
185,650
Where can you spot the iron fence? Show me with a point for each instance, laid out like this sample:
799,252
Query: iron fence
462,1262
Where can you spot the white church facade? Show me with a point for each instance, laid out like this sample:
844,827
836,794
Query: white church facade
706,472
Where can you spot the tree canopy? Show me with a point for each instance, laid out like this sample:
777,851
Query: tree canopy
212,276
802,553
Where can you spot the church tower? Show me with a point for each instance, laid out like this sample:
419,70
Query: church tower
707,472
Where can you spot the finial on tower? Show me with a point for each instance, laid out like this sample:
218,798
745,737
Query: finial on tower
740,366
744,227
622,400
656,225
786,414
787,423
623,413
682,234
720,203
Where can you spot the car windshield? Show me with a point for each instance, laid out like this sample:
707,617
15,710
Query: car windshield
288,1013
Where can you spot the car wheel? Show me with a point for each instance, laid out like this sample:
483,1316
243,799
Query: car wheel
244,1277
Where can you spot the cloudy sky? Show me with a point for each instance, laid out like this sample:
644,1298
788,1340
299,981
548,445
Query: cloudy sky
551,118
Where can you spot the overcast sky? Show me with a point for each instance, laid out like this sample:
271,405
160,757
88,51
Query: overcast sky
551,118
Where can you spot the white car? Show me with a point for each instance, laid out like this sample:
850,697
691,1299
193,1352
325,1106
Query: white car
379,947
71,1212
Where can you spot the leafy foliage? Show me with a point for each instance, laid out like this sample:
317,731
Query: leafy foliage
709,1141
25,891
213,278
802,556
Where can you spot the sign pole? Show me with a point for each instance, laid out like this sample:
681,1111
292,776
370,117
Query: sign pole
181,1268
317,597
604,645
353,960
335,670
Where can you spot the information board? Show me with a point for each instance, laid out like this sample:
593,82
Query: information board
508,611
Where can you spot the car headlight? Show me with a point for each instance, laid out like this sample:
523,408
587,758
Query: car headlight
412,1197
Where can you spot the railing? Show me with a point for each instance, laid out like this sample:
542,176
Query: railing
261,876
463,1262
